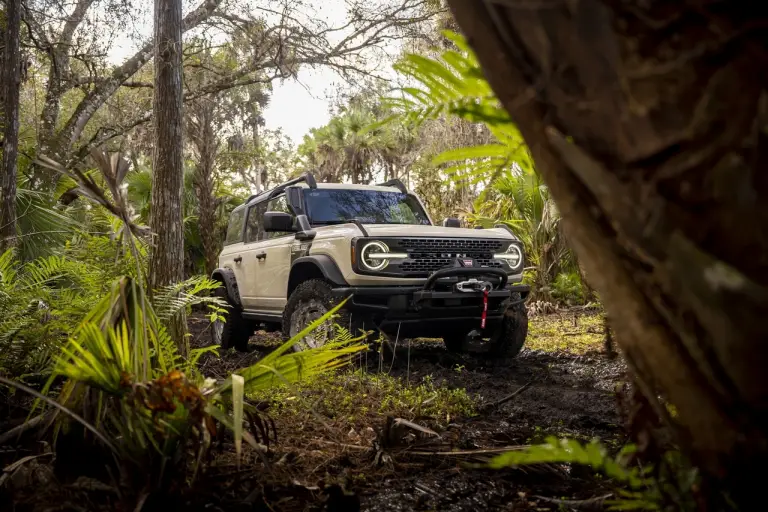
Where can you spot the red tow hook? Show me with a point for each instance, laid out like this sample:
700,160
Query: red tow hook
485,308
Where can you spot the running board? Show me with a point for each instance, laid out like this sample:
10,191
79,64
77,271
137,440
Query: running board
262,317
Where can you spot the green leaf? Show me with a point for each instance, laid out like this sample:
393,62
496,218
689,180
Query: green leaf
238,398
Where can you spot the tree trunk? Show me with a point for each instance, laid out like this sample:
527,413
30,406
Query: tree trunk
166,264
256,159
647,122
10,81
206,143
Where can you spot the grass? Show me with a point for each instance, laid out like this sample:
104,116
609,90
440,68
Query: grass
575,334
358,399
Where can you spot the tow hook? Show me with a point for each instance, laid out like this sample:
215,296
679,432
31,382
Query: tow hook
474,285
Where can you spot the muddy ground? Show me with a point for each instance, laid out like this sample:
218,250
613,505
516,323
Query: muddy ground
340,446
518,401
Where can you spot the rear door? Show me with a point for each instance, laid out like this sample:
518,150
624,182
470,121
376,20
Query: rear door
274,263
231,254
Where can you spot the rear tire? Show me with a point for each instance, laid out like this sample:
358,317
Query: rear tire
236,330
309,301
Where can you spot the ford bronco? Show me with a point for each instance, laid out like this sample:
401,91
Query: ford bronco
293,252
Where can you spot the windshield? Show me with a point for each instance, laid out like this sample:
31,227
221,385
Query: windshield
337,206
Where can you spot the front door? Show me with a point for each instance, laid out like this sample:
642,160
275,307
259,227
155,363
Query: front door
251,254
275,263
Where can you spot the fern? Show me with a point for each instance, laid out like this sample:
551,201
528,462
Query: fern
639,489
571,451
177,298
453,85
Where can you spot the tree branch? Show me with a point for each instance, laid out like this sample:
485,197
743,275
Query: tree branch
99,94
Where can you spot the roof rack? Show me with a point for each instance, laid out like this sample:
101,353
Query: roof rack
399,185
307,177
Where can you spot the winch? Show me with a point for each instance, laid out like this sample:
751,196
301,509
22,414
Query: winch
474,285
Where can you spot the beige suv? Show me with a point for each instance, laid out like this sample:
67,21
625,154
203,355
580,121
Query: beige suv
293,252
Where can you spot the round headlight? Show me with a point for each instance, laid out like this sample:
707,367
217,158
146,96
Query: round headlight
513,256
368,258
515,259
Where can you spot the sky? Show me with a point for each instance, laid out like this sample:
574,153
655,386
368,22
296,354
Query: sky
295,105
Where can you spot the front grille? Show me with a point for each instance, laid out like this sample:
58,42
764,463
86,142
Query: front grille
427,255
457,245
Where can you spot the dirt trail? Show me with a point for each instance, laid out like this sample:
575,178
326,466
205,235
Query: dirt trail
566,395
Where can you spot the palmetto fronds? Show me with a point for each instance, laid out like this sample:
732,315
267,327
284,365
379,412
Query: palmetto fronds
126,377
453,85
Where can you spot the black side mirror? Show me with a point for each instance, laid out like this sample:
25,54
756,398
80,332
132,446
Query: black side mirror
276,222
451,222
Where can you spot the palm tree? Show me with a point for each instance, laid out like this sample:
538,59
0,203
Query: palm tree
520,199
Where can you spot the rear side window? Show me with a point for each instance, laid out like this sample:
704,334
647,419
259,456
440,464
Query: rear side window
235,227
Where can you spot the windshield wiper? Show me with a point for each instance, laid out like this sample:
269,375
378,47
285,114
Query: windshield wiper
329,222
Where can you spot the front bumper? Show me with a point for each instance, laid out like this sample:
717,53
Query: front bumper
436,306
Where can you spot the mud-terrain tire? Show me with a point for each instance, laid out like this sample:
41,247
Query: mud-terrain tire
508,339
236,331
308,302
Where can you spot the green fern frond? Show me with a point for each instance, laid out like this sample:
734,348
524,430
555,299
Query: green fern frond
571,451
174,299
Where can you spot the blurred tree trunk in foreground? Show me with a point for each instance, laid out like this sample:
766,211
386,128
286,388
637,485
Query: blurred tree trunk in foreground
648,122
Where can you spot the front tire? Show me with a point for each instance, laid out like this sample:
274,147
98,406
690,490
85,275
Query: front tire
508,341
310,301
505,342
236,330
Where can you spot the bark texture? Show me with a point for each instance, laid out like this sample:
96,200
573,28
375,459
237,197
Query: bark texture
648,123
10,81
203,136
166,218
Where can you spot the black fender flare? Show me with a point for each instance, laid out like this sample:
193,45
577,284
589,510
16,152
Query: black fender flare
323,263
227,276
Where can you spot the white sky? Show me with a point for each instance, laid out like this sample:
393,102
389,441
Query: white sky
295,106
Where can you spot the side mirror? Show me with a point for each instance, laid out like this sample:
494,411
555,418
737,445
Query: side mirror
278,222
305,232
451,222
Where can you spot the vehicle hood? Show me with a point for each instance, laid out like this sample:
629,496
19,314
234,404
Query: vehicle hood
399,230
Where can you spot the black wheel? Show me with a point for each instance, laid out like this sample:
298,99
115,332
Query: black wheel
309,301
509,338
506,341
236,330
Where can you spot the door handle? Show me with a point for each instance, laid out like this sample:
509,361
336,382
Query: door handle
238,259
261,256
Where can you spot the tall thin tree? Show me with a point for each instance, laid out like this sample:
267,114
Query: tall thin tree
166,215
10,80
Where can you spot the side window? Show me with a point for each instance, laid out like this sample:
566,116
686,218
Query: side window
278,204
254,225
235,227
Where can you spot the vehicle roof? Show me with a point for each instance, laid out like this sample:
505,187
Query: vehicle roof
349,186
332,186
